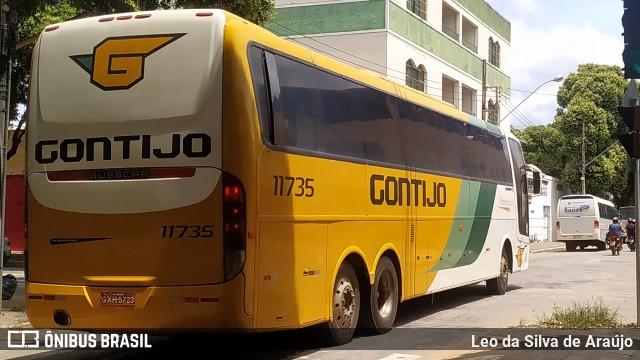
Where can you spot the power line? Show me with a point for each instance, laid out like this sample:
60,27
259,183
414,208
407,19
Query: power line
427,80
457,94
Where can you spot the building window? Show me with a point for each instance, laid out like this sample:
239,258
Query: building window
415,76
494,53
418,7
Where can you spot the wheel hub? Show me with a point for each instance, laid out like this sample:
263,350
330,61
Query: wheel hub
344,304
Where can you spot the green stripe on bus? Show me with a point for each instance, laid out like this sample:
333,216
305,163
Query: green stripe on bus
481,222
457,239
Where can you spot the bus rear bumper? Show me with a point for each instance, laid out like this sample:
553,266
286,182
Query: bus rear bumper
165,308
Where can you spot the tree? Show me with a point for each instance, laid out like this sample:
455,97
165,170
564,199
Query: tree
589,97
32,16
542,146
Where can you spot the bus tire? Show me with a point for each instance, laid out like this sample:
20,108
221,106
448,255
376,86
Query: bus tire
379,316
345,306
498,285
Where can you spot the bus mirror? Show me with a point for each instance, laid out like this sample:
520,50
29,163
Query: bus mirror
533,182
536,183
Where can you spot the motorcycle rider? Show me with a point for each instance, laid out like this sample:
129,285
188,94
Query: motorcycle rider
631,229
615,229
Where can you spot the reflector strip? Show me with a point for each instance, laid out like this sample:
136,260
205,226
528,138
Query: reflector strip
121,174
206,299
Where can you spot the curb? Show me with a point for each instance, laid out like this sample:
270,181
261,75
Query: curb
553,249
15,261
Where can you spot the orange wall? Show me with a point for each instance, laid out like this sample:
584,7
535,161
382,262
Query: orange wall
14,206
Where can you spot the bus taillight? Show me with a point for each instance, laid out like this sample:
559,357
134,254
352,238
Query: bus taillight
596,224
233,193
558,225
233,220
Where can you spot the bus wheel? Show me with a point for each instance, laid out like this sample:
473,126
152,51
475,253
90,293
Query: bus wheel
345,306
498,286
383,299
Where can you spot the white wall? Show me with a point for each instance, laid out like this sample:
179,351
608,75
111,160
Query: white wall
387,53
365,50
541,228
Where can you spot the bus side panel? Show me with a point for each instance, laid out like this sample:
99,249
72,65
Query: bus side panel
297,197
444,234
242,139
293,274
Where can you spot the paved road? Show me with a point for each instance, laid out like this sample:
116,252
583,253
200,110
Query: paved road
441,326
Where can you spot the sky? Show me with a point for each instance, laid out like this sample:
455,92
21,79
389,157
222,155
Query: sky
551,38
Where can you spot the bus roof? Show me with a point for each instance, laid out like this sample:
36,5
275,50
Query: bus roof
586,196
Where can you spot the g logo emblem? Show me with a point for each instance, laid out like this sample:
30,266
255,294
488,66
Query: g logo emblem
117,63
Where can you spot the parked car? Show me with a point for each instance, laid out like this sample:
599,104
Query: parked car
6,251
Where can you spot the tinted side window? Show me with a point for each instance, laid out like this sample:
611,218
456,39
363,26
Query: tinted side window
606,211
296,96
327,113
437,141
486,156
261,91
304,107
521,178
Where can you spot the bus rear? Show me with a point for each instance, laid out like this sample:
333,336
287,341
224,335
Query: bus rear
578,222
131,219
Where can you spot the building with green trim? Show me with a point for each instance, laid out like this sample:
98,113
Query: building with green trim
454,50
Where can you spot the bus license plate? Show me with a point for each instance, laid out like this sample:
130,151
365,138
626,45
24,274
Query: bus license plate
118,298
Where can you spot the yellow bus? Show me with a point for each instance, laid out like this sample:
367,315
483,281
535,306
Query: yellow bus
190,170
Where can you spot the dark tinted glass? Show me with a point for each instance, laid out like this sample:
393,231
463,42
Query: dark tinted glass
327,113
261,91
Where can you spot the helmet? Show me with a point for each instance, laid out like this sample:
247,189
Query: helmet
615,219
633,221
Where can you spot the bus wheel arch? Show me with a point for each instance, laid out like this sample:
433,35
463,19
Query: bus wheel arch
506,246
498,285
380,302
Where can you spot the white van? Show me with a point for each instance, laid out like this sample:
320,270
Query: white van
583,220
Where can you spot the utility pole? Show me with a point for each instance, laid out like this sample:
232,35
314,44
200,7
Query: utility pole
484,90
6,52
630,110
582,178
630,113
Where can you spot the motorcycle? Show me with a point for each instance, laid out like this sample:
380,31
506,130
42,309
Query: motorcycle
631,242
615,244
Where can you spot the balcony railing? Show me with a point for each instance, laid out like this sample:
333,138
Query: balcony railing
469,45
449,31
